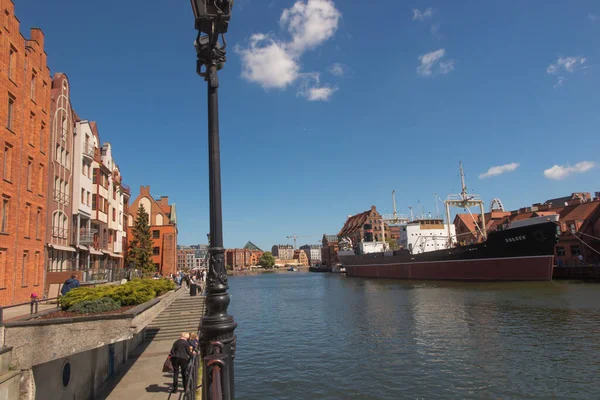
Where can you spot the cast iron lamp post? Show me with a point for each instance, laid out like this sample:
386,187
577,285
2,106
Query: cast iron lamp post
216,328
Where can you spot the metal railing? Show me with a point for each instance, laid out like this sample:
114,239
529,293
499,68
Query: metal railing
192,386
88,150
86,236
33,306
59,232
61,197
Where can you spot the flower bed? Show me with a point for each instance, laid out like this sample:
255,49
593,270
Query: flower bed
113,298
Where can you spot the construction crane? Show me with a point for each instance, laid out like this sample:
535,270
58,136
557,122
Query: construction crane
295,237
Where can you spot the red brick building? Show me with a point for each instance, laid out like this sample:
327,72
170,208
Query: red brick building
241,258
329,250
353,228
163,227
25,113
579,219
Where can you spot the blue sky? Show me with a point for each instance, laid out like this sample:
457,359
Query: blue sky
326,107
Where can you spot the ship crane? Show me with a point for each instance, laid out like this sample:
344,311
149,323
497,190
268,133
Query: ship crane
464,200
296,237
395,218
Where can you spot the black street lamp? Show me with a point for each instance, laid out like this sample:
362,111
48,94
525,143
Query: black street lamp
217,338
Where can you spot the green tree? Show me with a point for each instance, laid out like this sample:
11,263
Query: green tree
266,260
393,244
140,249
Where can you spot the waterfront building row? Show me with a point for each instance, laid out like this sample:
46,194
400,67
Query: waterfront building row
64,205
194,256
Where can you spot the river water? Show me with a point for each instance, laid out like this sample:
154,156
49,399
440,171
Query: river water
326,336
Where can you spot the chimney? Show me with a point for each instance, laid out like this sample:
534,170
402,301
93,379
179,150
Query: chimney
144,190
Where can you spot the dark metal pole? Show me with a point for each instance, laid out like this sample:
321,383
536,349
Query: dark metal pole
216,326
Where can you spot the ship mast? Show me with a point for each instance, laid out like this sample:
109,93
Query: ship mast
464,200
394,204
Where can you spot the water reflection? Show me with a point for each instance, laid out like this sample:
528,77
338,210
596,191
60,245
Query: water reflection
306,336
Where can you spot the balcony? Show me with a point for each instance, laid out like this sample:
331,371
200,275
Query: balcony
86,236
126,189
61,197
88,150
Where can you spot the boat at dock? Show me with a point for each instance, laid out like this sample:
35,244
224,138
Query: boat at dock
520,251
320,268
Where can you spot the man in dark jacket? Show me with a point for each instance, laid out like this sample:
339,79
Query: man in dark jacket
180,356
69,284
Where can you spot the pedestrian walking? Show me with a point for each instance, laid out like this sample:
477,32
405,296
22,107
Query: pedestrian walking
69,284
180,356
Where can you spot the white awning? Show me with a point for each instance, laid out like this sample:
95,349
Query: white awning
82,247
59,247
117,255
108,253
94,251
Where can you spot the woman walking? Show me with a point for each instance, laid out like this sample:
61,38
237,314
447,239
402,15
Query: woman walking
180,356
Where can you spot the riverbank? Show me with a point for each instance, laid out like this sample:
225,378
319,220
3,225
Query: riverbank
259,271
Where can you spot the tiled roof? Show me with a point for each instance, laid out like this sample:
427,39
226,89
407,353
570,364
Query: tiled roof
354,223
579,211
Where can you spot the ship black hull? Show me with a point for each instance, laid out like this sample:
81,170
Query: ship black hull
519,254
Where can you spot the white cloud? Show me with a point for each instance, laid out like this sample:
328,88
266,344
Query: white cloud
422,15
559,82
319,93
435,31
310,23
565,63
275,63
499,170
558,172
312,90
592,17
267,63
337,69
431,60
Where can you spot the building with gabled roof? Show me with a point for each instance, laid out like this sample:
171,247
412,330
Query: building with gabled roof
329,249
162,218
251,246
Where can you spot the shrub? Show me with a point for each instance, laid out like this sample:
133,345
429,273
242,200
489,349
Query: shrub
96,306
132,293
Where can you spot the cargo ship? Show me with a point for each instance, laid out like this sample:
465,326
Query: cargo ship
520,251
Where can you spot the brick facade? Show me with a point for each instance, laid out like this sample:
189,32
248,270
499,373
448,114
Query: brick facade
163,227
241,258
25,114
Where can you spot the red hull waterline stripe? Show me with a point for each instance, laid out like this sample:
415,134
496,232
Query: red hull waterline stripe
532,268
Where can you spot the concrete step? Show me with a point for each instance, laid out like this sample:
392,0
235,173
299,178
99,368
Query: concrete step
9,385
5,359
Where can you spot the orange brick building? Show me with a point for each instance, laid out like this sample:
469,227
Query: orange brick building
25,115
163,227
240,258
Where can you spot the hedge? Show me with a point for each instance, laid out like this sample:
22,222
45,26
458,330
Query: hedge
97,306
132,293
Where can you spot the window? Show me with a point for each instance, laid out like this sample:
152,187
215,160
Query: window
38,218
29,173
11,105
4,216
95,176
11,62
94,202
155,234
82,196
32,122
88,199
7,162
575,250
27,220
58,152
3,262
157,266
560,251
32,86
67,160
41,179
114,213
24,268
156,251
42,138
36,269
572,227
